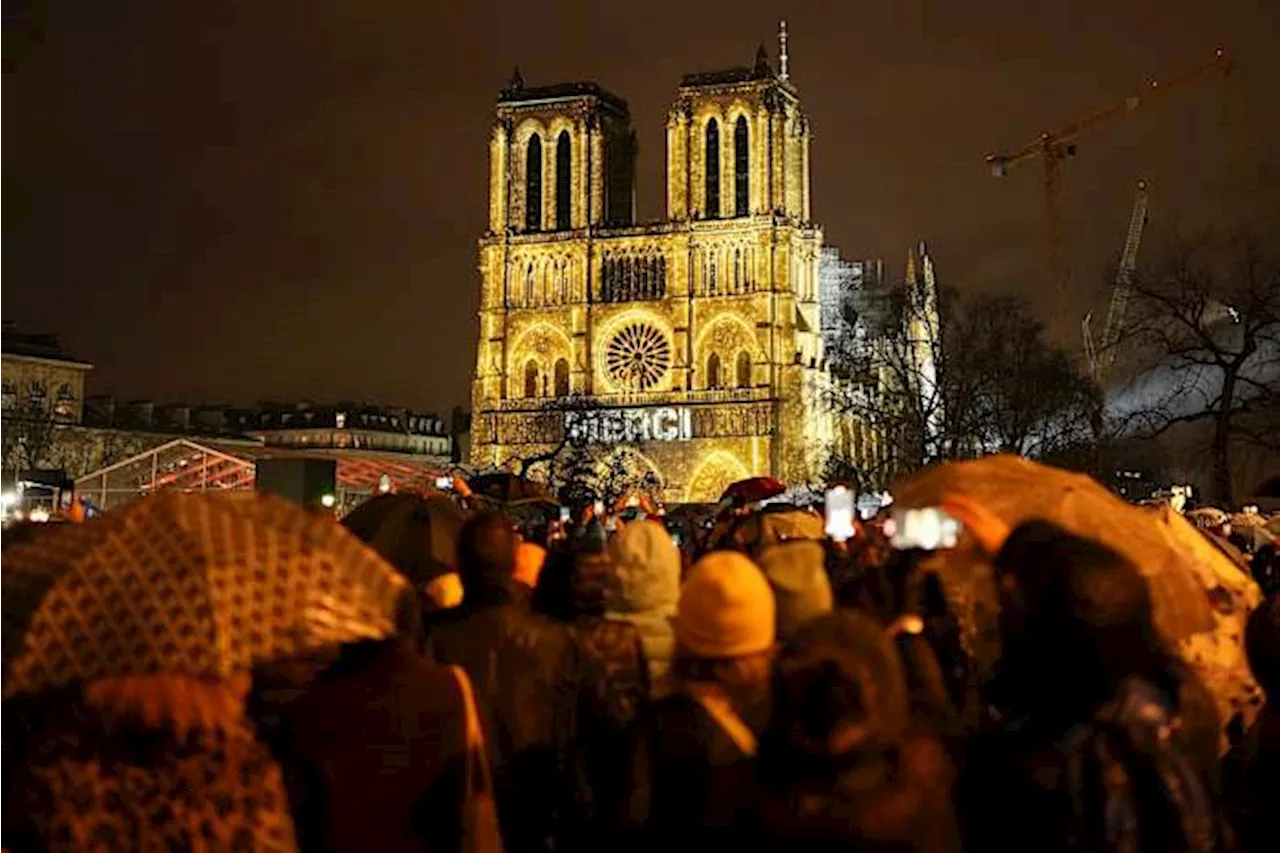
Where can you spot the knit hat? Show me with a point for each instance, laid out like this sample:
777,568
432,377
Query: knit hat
726,608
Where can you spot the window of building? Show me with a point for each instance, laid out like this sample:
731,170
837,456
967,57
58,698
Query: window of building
9,395
564,182
741,159
533,184
744,369
64,405
712,162
37,392
531,379
713,371
562,377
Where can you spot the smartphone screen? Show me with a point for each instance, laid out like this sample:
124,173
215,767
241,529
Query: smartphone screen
927,529
839,506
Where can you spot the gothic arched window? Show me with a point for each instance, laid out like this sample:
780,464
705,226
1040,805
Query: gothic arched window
713,371
741,159
564,182
531,384
744,369
562,378
528,284
737,270
533,184
712,164
711,272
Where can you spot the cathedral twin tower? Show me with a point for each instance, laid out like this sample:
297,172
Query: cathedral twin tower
690,344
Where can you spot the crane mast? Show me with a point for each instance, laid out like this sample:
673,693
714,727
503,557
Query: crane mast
1103,356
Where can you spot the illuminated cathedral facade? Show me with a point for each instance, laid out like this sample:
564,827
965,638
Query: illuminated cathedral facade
691,344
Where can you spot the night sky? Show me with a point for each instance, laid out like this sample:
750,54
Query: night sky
232,201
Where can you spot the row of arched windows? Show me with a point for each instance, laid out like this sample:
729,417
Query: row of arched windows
718,375
741,165
629,278
545,281
538,384
533,183
722,270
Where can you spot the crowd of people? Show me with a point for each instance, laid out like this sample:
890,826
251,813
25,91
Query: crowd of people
592,685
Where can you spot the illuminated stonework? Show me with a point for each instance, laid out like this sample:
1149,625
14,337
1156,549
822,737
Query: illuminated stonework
701,331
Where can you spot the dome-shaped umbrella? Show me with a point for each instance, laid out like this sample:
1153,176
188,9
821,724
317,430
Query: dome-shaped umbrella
205,585
753,489
417,535
1017,490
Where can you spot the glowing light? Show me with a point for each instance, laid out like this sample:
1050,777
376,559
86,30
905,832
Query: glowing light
39,515
328,501
8,499
384,484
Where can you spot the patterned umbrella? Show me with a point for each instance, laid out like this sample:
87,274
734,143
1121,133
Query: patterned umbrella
204,585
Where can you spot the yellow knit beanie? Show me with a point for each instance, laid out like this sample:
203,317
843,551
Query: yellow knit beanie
726,608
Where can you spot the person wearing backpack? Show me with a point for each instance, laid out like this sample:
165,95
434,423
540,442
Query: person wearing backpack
693,763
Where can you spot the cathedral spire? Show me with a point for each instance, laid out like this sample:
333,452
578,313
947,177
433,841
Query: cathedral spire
782,51
517,79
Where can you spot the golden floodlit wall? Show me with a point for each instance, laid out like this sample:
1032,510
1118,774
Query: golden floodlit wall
698,334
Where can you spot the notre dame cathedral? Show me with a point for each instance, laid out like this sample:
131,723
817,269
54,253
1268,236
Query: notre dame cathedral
692,344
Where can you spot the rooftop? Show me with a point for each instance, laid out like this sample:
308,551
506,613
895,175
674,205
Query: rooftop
34,346
516,92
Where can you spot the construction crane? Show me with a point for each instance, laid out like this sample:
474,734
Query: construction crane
1100,358
1054,148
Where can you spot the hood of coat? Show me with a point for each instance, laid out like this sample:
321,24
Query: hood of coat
647,566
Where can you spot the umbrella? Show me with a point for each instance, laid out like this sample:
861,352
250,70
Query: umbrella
417,535
753,489
199,584
1208,516
1017,490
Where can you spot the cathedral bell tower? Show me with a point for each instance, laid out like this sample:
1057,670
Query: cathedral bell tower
738,145
561,158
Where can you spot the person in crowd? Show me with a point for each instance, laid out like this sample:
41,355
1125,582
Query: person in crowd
534,685
693,762
842,765
615,647
1252,769
161,761
1103,746
646,564
796,571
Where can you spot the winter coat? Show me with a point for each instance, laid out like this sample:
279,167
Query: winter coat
534,685
85,774
647,567
374,751
691,784
1117,781
615,647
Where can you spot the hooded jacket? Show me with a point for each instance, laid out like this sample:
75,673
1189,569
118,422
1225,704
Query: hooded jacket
647,567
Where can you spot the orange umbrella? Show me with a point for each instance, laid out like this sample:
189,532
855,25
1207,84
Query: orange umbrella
1017,490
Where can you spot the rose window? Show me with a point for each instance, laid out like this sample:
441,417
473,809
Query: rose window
638,356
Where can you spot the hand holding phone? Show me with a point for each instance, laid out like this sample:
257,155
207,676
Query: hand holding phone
926,529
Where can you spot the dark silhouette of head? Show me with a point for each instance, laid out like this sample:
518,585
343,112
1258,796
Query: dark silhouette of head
487,557
1076,620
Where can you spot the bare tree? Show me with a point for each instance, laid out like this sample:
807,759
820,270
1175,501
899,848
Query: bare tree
1201,345
977,376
